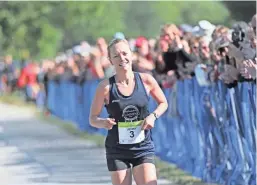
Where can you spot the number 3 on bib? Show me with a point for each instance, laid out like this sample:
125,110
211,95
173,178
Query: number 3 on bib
130,132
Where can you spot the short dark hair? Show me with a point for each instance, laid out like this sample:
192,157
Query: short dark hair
113,42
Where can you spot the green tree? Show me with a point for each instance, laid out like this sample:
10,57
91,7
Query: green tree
88,20
44,28
141,19
241,10
49,41
21,25
213,11
145,18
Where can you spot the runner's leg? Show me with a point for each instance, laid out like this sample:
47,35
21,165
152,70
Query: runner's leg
120,171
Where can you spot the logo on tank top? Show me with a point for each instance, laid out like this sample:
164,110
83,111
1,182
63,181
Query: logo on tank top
113,101
130,113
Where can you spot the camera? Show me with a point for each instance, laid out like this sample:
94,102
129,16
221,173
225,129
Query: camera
239,33
221,50
238,36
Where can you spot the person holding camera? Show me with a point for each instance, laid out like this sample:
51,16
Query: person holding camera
176,57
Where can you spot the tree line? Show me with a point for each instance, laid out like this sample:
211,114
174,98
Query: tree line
41,29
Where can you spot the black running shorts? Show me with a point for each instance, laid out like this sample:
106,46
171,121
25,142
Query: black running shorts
122,164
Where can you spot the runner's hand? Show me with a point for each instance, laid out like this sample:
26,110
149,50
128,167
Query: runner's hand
108,123
148,122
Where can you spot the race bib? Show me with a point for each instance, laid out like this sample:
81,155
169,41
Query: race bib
130,132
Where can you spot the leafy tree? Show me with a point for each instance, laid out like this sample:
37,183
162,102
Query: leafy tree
141,18
21,25
241,10
41,29
213,11
145,18
88,20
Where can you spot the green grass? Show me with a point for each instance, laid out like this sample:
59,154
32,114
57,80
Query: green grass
176,175
164,169
13,99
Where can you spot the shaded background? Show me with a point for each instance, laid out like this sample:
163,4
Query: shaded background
41,29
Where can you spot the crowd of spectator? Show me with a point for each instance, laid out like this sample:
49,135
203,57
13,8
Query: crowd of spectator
205,51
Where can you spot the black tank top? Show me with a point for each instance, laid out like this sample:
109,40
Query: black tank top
123,108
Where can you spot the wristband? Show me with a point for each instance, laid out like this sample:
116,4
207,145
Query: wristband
155,115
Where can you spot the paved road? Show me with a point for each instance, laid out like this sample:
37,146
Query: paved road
34,152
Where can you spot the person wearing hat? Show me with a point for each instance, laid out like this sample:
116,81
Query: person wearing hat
143,61
119,35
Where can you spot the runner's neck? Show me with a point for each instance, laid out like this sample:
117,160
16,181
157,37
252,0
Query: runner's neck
125,78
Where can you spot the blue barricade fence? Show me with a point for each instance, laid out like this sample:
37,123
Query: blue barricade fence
209,131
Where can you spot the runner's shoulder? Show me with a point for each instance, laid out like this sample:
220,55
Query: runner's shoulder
147,78
104,86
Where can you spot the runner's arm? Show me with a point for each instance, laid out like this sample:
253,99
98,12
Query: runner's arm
158,95
97,105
